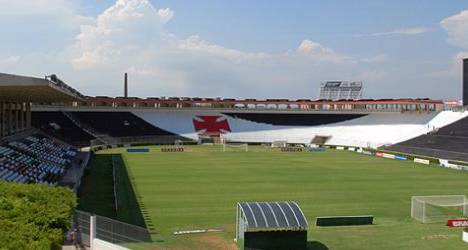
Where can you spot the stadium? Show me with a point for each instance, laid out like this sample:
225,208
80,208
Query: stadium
225,125
212,173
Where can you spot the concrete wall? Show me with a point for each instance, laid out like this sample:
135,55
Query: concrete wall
104,245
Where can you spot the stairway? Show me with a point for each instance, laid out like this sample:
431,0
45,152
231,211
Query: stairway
100,137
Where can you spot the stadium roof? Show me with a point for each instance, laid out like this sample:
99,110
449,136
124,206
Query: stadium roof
283,215
39,90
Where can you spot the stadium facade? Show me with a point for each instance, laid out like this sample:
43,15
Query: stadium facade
365,123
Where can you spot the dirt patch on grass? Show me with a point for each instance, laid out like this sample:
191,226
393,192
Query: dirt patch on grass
203,241
214,241
437,237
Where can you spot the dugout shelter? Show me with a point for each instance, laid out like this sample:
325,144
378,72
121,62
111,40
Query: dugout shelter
271,226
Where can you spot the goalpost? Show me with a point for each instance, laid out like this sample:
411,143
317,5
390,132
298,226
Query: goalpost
438,208
279,143
235,147
178,143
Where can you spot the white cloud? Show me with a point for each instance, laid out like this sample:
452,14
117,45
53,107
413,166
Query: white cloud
62,12
8,61
376,59
130,28
196,44
11,59
457,29
127,31
165,14
402,31
131,36
36,7
372,75
318,52
454,71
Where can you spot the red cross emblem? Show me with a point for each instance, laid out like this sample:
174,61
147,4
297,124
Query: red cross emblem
211,124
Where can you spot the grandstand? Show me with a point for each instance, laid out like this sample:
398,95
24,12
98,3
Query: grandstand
448,142
118,124
342,126
26,154
58,125
35,159
344,122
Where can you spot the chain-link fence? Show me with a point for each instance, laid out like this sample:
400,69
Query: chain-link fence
81,222
109,230
119,232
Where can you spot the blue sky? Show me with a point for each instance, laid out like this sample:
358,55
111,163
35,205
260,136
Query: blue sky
274,26
239,48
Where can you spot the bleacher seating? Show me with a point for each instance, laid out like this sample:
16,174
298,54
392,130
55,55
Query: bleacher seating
449,142
35,159
295,119
57,125
357,130
459,128
120,124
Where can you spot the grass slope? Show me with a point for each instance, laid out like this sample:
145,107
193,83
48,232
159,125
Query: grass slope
96,192
200,189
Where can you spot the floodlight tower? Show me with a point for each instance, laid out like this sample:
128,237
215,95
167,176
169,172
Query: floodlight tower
465,81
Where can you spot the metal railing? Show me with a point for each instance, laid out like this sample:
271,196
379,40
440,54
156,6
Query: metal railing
108,229
115,231
128,140
81,222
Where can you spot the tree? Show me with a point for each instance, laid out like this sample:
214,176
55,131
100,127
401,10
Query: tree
34,216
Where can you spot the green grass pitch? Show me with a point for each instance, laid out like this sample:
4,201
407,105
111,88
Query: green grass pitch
200,188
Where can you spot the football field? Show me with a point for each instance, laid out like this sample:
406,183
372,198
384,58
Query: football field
199,189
